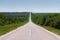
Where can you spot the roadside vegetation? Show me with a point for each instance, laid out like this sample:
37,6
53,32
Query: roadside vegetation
12,20
50,21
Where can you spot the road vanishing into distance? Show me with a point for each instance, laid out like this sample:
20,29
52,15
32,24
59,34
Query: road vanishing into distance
30,31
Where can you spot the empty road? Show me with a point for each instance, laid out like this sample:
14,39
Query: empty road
30,31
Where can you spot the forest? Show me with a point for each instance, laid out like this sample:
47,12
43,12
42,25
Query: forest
9,18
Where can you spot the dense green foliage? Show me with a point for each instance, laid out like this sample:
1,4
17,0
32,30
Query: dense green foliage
52,20
12,20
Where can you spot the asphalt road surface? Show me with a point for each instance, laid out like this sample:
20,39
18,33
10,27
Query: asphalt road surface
30,31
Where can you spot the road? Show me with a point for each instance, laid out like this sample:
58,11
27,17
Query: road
30,31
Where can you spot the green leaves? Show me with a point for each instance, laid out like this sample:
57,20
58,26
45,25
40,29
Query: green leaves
10,18
50,19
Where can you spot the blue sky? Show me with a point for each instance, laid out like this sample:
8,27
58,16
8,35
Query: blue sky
30,5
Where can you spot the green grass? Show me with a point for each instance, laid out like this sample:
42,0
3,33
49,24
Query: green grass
54,30
7,28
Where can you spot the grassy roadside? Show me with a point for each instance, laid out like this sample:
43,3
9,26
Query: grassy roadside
51,29
7,28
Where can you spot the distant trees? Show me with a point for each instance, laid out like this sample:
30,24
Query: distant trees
6,19
52,20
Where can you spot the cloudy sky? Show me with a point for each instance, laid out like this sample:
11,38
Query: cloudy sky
30,5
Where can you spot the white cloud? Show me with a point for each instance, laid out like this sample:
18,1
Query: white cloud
29,9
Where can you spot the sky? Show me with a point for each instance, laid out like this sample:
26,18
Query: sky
29,5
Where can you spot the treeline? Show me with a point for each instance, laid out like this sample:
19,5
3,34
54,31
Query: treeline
10,18
52,20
